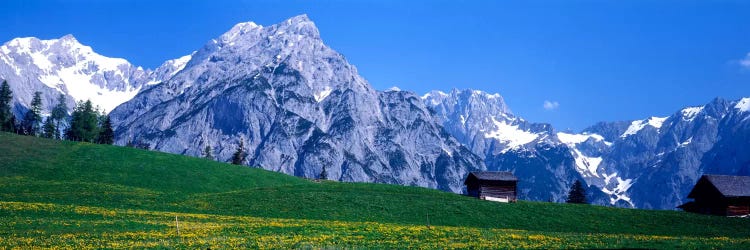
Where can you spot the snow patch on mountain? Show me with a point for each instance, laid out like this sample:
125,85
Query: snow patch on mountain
743,105
41,61
689,113
510,134
495,96
179,63
637,125
5,56
657,122
685,143
619,192
586,165
322,94
572,139
80,87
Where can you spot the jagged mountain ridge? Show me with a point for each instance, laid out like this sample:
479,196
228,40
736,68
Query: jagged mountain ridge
299,107
622,162
65,66
670,154
532,151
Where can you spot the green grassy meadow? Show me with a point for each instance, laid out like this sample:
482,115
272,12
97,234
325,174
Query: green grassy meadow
79,195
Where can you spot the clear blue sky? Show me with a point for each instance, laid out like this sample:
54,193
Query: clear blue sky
599,60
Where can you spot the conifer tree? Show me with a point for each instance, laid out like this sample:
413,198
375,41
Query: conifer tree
59,112
84,123
49,130
33,119
13,126
577,193
106,134
239,156
7,119
323,174
207,153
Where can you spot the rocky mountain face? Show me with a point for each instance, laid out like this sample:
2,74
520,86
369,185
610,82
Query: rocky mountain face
299,107
65,66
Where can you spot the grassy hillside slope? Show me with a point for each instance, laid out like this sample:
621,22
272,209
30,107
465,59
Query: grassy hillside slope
135,192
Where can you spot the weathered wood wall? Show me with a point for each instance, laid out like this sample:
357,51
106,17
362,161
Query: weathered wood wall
733,210
508,192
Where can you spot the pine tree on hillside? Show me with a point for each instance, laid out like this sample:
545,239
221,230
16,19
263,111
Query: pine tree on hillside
59,113
106,134
239,157
32,121
323,174
7,119
49,130
208,153
577,193
84,123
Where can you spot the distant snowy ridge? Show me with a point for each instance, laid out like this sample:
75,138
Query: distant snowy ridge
65,66
621,162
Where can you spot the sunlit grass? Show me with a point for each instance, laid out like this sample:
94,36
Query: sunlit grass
28,225
79,195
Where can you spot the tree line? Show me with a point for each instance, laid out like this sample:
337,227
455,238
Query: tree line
85,124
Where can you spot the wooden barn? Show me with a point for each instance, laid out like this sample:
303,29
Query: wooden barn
724,195
492,185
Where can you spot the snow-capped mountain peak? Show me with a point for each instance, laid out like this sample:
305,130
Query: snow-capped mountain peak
482,120
67,66
690,113
64,65
180,63
394,88
238,31
293,29
468,99
40,50
170,68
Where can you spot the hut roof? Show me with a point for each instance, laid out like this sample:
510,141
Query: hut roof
730,185
494,176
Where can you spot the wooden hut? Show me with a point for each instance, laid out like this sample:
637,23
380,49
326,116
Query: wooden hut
724,195
492,185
